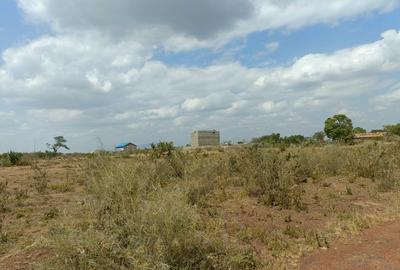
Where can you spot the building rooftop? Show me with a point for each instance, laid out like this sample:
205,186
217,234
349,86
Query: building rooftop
369,135
206,131
123,145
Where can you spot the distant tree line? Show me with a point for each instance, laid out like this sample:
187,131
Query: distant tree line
275,138
338,128
393,129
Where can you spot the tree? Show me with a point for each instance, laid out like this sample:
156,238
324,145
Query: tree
319,136
359,130
294,139
393,129
59,142
339,128
162,149
274,138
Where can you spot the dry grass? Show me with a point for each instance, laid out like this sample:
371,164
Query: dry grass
233,208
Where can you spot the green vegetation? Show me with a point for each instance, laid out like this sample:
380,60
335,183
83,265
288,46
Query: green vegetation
275,139
339,128
162,149
319,137
393,129
14,159
359,130
59,142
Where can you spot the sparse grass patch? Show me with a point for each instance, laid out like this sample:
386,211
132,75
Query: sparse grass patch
20,197
217,208
145,220
40,181
62,187
4,197
51,213
349,191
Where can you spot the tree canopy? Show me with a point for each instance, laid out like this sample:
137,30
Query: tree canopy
393,129
275,138
339,128
59,142
359,130
319,136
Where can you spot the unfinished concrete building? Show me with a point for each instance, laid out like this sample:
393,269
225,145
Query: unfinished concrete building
205,138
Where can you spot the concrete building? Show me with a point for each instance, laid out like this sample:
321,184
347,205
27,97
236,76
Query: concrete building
125,147
370,135
205,138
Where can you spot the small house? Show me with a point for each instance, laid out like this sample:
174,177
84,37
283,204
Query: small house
126,147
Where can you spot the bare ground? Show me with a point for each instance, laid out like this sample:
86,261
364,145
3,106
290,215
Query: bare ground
377,248
26,219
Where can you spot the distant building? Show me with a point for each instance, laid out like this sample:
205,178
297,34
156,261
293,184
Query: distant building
369,135
125,147
205,138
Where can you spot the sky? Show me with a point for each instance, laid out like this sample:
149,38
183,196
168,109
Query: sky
102,72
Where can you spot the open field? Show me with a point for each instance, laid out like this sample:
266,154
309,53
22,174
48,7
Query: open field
232,208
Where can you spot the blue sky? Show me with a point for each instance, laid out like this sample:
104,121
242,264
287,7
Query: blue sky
14,30
145,71
320,38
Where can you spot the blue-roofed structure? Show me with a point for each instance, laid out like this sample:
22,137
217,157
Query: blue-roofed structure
126,147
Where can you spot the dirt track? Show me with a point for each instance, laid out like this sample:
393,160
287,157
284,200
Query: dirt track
377,248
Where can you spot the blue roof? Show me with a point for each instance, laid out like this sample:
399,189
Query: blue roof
123,145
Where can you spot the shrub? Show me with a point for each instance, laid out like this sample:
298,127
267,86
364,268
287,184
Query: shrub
21,196
148,211
162,149
270,177
51,213
14,157
144,220
4,197
40,181
47,155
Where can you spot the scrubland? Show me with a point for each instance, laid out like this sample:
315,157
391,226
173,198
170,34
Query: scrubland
215,208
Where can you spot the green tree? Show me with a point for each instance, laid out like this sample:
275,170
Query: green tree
274,138
319,136
59,142
359,130
339,128
393,129
294,139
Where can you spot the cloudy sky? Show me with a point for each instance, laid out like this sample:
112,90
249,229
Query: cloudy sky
151,70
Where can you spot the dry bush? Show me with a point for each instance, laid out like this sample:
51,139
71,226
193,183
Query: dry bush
146,212
40,181
270,174
15,159
142,217
4,197
377,161
366,161
20,197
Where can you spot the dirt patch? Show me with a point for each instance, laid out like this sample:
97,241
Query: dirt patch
377,248
28,215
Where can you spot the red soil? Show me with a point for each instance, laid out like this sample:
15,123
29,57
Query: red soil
377,248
